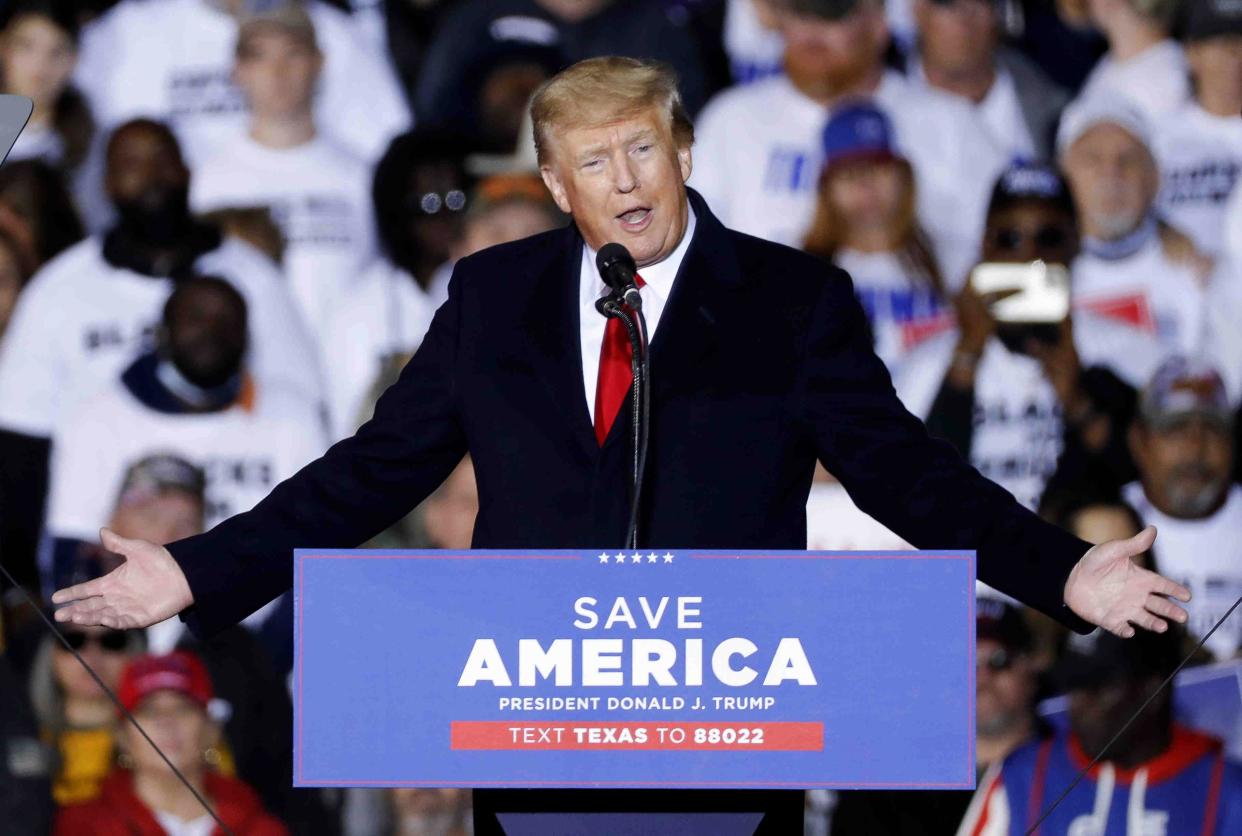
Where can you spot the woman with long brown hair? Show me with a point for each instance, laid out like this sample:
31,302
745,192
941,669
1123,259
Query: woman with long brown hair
865,223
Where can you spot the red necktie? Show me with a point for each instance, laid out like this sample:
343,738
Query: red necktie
615,373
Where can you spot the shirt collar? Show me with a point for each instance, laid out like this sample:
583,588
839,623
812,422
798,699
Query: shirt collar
1127,245
659,276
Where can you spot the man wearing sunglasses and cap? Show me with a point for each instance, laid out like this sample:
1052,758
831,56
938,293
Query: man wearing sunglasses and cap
1017,397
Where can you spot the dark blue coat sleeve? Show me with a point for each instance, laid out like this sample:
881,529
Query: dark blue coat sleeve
359,487
917,485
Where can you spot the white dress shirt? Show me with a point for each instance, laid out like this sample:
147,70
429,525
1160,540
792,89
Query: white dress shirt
658,285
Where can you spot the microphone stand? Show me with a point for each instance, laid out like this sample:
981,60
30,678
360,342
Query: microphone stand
611,306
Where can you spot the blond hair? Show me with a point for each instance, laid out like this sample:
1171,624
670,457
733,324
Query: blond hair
598,90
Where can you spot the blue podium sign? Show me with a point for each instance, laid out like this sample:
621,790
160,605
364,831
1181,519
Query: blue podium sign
626,669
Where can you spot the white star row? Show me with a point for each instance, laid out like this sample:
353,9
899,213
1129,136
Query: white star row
604,557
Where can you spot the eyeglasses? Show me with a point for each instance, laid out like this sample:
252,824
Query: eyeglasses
997,661
431,203
1049,236
113,641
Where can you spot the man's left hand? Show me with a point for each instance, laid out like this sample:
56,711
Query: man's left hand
1110,590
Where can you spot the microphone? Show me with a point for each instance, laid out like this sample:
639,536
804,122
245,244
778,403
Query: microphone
617,269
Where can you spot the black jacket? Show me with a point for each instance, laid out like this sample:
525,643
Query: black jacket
762,364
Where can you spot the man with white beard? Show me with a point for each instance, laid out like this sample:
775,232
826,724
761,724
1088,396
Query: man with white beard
1131,268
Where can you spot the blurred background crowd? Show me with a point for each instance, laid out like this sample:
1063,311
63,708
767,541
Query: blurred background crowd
229,223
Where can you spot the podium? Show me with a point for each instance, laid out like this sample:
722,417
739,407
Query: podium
700,673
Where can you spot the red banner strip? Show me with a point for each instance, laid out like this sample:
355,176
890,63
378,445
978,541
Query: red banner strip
746,737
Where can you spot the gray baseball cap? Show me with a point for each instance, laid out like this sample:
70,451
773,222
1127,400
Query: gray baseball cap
162,472
1185,386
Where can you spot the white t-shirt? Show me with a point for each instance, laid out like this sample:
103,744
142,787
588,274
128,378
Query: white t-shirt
1156,80
1232,243
903,308
244,453
386,313
319,195
1224,337
754,52
1133,354
81,321
1017,435
1018,432
1146,290
758,155
172,60
1000,111
1202,555
1200,157
367,17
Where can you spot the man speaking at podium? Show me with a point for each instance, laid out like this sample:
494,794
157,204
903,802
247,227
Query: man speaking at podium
761,363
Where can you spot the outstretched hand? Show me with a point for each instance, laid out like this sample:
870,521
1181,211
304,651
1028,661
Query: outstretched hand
1108,589
144,590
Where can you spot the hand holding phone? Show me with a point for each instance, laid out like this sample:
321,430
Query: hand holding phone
1029,292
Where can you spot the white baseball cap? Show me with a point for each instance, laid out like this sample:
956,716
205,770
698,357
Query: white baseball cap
1101,109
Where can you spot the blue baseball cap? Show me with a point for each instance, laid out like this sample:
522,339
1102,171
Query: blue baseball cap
1030,181
858,131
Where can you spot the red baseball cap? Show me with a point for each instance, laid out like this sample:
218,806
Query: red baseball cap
179,671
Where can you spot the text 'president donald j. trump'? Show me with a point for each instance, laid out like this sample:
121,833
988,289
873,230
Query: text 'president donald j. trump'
761,363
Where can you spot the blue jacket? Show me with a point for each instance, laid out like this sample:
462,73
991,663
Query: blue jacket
1188,789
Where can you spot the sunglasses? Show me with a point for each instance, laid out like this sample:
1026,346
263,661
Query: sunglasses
1049,236
997,661
112,641
432,203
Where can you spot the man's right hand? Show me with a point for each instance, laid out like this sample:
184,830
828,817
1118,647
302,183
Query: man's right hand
144,590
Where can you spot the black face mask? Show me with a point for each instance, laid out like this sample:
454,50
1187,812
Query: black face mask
160,216
216,371
209,360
